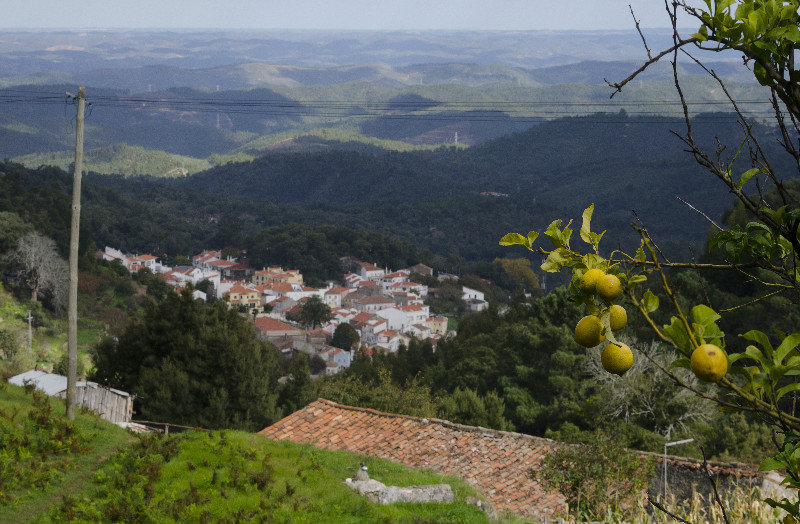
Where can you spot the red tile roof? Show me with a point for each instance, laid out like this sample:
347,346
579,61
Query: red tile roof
494,462
410,308
363,317
366,266
147,257
282,287
240,289
222,263
266,324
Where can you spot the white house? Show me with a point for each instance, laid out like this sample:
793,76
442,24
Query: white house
475,299
394,278
333,296
410,287
373,303
401,317
370,271
388,341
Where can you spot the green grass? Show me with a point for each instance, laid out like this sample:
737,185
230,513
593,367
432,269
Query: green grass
96,472
41,457
235,476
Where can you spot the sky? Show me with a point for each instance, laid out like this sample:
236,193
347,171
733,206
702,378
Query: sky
334,14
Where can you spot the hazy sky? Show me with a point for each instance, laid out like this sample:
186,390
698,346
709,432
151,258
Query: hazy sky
333,14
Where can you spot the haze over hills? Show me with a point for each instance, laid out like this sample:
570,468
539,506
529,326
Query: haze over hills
28,52
333,127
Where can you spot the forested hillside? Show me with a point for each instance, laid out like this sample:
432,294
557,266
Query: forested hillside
429,198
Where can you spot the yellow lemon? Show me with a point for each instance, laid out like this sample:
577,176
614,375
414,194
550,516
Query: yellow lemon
589,280
709,363
616,359
589,331
608,287
617,317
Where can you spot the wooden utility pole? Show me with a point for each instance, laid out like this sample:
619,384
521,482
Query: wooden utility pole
72,308
30,330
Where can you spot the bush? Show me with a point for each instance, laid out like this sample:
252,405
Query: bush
597,476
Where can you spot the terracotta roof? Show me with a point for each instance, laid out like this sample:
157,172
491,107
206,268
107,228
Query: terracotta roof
338,290
242,290
270,324
494,462
147,257
410,308
362,317
366,266
222,263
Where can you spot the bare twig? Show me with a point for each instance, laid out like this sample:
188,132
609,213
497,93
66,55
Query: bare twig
619,85
713,485
751,302
701,213
661,508
644,42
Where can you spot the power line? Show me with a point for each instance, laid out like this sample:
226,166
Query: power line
503,110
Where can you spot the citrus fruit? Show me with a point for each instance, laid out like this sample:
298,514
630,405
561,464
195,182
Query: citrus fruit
616,358
617,317
608,287
589,331
589,279
709,363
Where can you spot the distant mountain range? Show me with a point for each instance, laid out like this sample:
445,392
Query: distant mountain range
29,52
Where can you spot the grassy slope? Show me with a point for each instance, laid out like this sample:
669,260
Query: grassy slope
211,477
26,502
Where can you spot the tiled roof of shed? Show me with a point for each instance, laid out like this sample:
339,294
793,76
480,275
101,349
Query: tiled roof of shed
494,462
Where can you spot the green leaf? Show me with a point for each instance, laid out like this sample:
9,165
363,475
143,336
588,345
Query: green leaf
640,256
770,464
787,345
761,339
586,225
761,74
636,279
754,353
747,175
787,389
593,261
532,236
677,333
512,239
704,315
649,301
553,232
555,261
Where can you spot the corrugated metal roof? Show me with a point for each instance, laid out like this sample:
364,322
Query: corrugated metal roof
50,383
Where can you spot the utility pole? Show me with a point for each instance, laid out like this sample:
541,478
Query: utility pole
666,445
30,330
72,308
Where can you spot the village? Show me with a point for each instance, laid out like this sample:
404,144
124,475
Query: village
385,307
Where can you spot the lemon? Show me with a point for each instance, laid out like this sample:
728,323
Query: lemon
617,317
589,279
608,287
616,358
709,363
589,331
